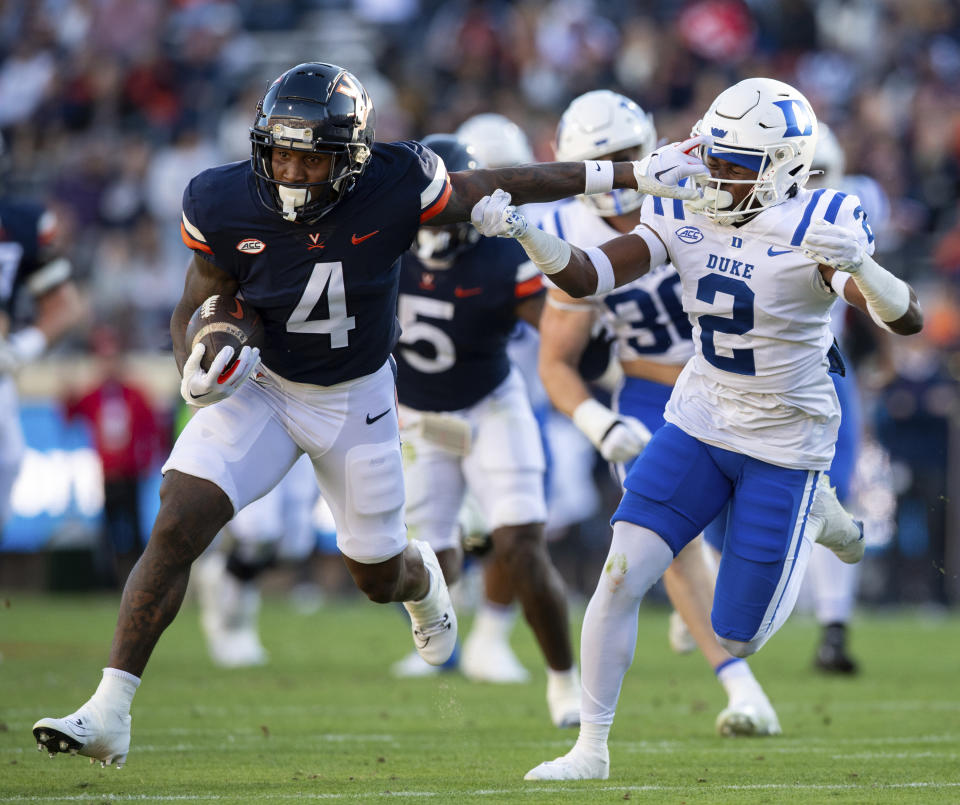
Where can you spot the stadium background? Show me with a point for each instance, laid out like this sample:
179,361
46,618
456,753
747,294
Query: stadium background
108,107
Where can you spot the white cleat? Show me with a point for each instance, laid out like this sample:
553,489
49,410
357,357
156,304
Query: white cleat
752,717
577,764
487,659
835,528
563,698
95,733
236,648
432,619
681,641
413,666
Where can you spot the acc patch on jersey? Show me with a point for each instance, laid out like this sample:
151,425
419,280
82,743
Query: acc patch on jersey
251,246
689,234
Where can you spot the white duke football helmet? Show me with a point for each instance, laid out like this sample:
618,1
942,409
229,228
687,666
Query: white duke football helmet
497,140
766,126
602,123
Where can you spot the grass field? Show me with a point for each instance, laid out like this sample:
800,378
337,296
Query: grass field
325,721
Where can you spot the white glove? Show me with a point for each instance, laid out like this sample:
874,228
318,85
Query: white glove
205,388
495,216
618,437
834,246
10,361
659,173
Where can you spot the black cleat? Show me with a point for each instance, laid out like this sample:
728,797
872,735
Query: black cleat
832,657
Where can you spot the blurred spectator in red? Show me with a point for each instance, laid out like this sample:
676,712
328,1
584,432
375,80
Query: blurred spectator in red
126,438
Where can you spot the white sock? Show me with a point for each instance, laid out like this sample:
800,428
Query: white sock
593,737
116,689
737,678
637,558
495,621
834,585
562,680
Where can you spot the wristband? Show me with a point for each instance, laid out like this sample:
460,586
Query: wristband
28,344
838,282
599,177
606,281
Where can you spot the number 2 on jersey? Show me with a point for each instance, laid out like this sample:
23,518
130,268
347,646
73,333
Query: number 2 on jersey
326,279
741,361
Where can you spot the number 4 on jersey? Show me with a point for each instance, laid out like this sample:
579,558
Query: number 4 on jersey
326,279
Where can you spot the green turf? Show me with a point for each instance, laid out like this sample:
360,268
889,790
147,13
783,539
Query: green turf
325,721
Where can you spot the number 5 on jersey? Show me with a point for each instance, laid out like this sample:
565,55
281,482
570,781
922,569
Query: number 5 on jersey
326,280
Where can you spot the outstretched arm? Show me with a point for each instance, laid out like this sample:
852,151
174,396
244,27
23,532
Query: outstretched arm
577,271
659,173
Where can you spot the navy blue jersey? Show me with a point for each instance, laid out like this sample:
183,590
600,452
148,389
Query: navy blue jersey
327,292
456,324
26,235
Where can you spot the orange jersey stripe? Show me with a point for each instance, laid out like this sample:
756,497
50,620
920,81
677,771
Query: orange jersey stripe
439,204
193,243
528,287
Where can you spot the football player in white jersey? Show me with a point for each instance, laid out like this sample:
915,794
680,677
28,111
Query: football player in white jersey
653,343
753,416
833,582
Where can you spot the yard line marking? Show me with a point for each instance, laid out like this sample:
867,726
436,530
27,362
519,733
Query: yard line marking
492,792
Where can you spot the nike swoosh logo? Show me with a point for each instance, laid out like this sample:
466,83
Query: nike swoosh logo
355,240
238,313
658,174
597,167
462,293
771,252
372,419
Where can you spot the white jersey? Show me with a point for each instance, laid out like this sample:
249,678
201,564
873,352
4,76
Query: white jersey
758,382
646,315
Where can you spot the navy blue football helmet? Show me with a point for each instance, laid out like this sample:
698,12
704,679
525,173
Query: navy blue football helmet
438,246
319,108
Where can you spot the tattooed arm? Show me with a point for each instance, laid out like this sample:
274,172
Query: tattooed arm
547,181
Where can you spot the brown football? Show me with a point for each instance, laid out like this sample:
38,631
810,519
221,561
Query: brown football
224,321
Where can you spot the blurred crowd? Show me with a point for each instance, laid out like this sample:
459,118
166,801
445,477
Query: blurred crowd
108,107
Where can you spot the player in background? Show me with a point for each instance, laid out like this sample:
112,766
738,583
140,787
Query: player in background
834,583
39,303
653,343
466,422
487,656
753,417
309,231
278,526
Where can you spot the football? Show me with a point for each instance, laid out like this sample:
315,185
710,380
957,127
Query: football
224,321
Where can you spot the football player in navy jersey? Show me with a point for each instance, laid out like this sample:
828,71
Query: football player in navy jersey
466,421
309,232
31,267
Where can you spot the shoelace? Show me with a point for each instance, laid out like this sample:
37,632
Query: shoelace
435,627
